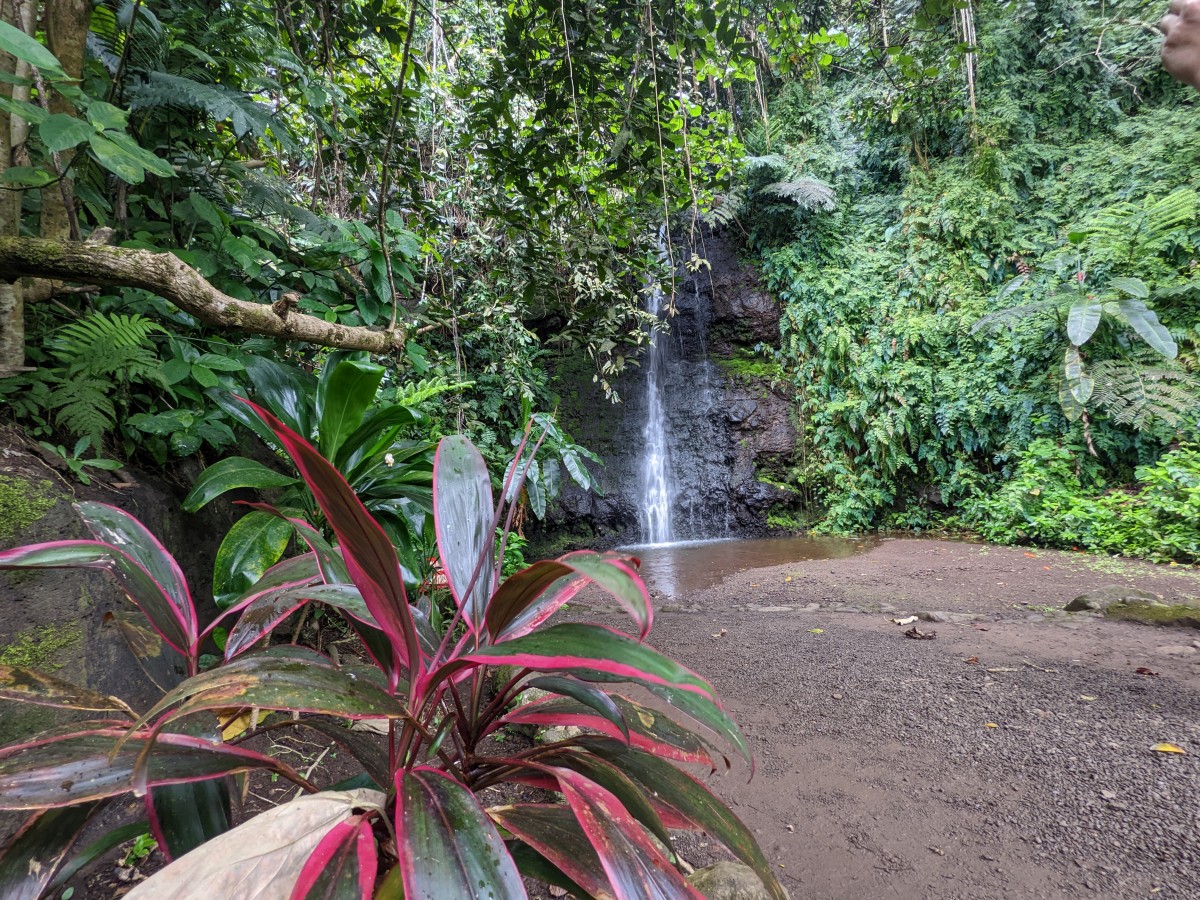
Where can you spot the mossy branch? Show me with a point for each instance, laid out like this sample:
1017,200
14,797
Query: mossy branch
168,276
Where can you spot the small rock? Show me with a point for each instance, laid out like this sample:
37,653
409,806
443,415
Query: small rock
558,733
1104,597
1177,650
935,616
837,696
728,881
773,609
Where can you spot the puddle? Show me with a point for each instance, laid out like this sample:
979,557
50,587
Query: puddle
679,568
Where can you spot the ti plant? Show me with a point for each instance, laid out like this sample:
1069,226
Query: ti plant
427,822
337,413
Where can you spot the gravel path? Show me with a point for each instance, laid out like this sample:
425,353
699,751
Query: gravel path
1009,757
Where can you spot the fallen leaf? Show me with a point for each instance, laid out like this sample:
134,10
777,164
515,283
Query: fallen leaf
938,850
972,660
990,725
1169,748
791,829
1144,670
753,585
721,633
789,578
1004,669
816,631
1086,699
1047,568
1030,555
918,635
236,726
906,621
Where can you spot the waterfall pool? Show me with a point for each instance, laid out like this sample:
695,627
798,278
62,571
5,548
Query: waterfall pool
682,566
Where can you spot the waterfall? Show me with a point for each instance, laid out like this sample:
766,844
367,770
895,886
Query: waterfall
657,490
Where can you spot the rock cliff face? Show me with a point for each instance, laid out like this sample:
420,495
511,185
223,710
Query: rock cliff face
726,422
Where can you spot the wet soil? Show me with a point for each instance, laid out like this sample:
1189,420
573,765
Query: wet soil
1008,757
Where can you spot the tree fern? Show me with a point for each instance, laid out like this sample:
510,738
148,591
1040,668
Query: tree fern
807,193
1138,395
1128,230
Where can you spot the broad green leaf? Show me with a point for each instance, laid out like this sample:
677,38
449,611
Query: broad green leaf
232,473
30,112
1143,320
27,686
1083,319
1135,287
22,46
184,816
589,696
345,390
34,853
1071,407
61,132
690,799
262,857
448,847
463,513
252,546
117,160
286,391
533,865
26,175
105,116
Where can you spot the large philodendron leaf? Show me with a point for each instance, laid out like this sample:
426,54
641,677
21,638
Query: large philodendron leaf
261,858
345,390
252,546
137,583
230,474
529,597
687,798
462,513
448,847
65,767
27,686
35,852
368,553
344,865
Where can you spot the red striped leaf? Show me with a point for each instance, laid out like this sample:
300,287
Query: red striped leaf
463,519
555,834
343,866
448,847
369,555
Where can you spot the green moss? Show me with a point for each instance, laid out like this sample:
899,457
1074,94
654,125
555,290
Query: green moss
746,366
38,647
22,503
1177,615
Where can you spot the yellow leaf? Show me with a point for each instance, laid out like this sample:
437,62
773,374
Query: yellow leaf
235,727
816,631
789,578
990,725
1088,699
1169,748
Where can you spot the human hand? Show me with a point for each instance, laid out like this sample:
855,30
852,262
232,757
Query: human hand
1181,48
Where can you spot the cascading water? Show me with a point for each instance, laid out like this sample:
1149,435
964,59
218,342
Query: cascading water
657,492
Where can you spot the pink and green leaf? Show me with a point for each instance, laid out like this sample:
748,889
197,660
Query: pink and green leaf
448,847
370,558
34,853
343,866
27,686
463,518
139,586
554,834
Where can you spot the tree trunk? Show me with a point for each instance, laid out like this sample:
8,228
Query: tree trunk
166,275
12,306
66,23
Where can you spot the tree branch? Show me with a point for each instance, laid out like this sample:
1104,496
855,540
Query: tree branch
168,276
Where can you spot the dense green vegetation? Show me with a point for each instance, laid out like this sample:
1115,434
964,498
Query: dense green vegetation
966,261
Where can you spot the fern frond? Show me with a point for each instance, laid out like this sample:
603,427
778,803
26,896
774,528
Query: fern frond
84,408
1138,395
726,208
807,193
420,391
109,346
244,115
1006,318
771,160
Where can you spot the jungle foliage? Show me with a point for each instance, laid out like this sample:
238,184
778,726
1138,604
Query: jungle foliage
1003,266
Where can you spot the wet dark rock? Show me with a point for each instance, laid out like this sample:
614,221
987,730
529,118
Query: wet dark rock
1102,598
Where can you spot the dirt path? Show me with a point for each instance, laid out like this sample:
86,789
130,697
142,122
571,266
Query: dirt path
1010,757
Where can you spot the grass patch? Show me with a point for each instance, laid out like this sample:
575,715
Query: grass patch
1173,615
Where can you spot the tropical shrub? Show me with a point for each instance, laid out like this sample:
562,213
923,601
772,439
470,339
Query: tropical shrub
424,826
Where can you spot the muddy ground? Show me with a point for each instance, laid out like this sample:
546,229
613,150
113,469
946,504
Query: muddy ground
1009,757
